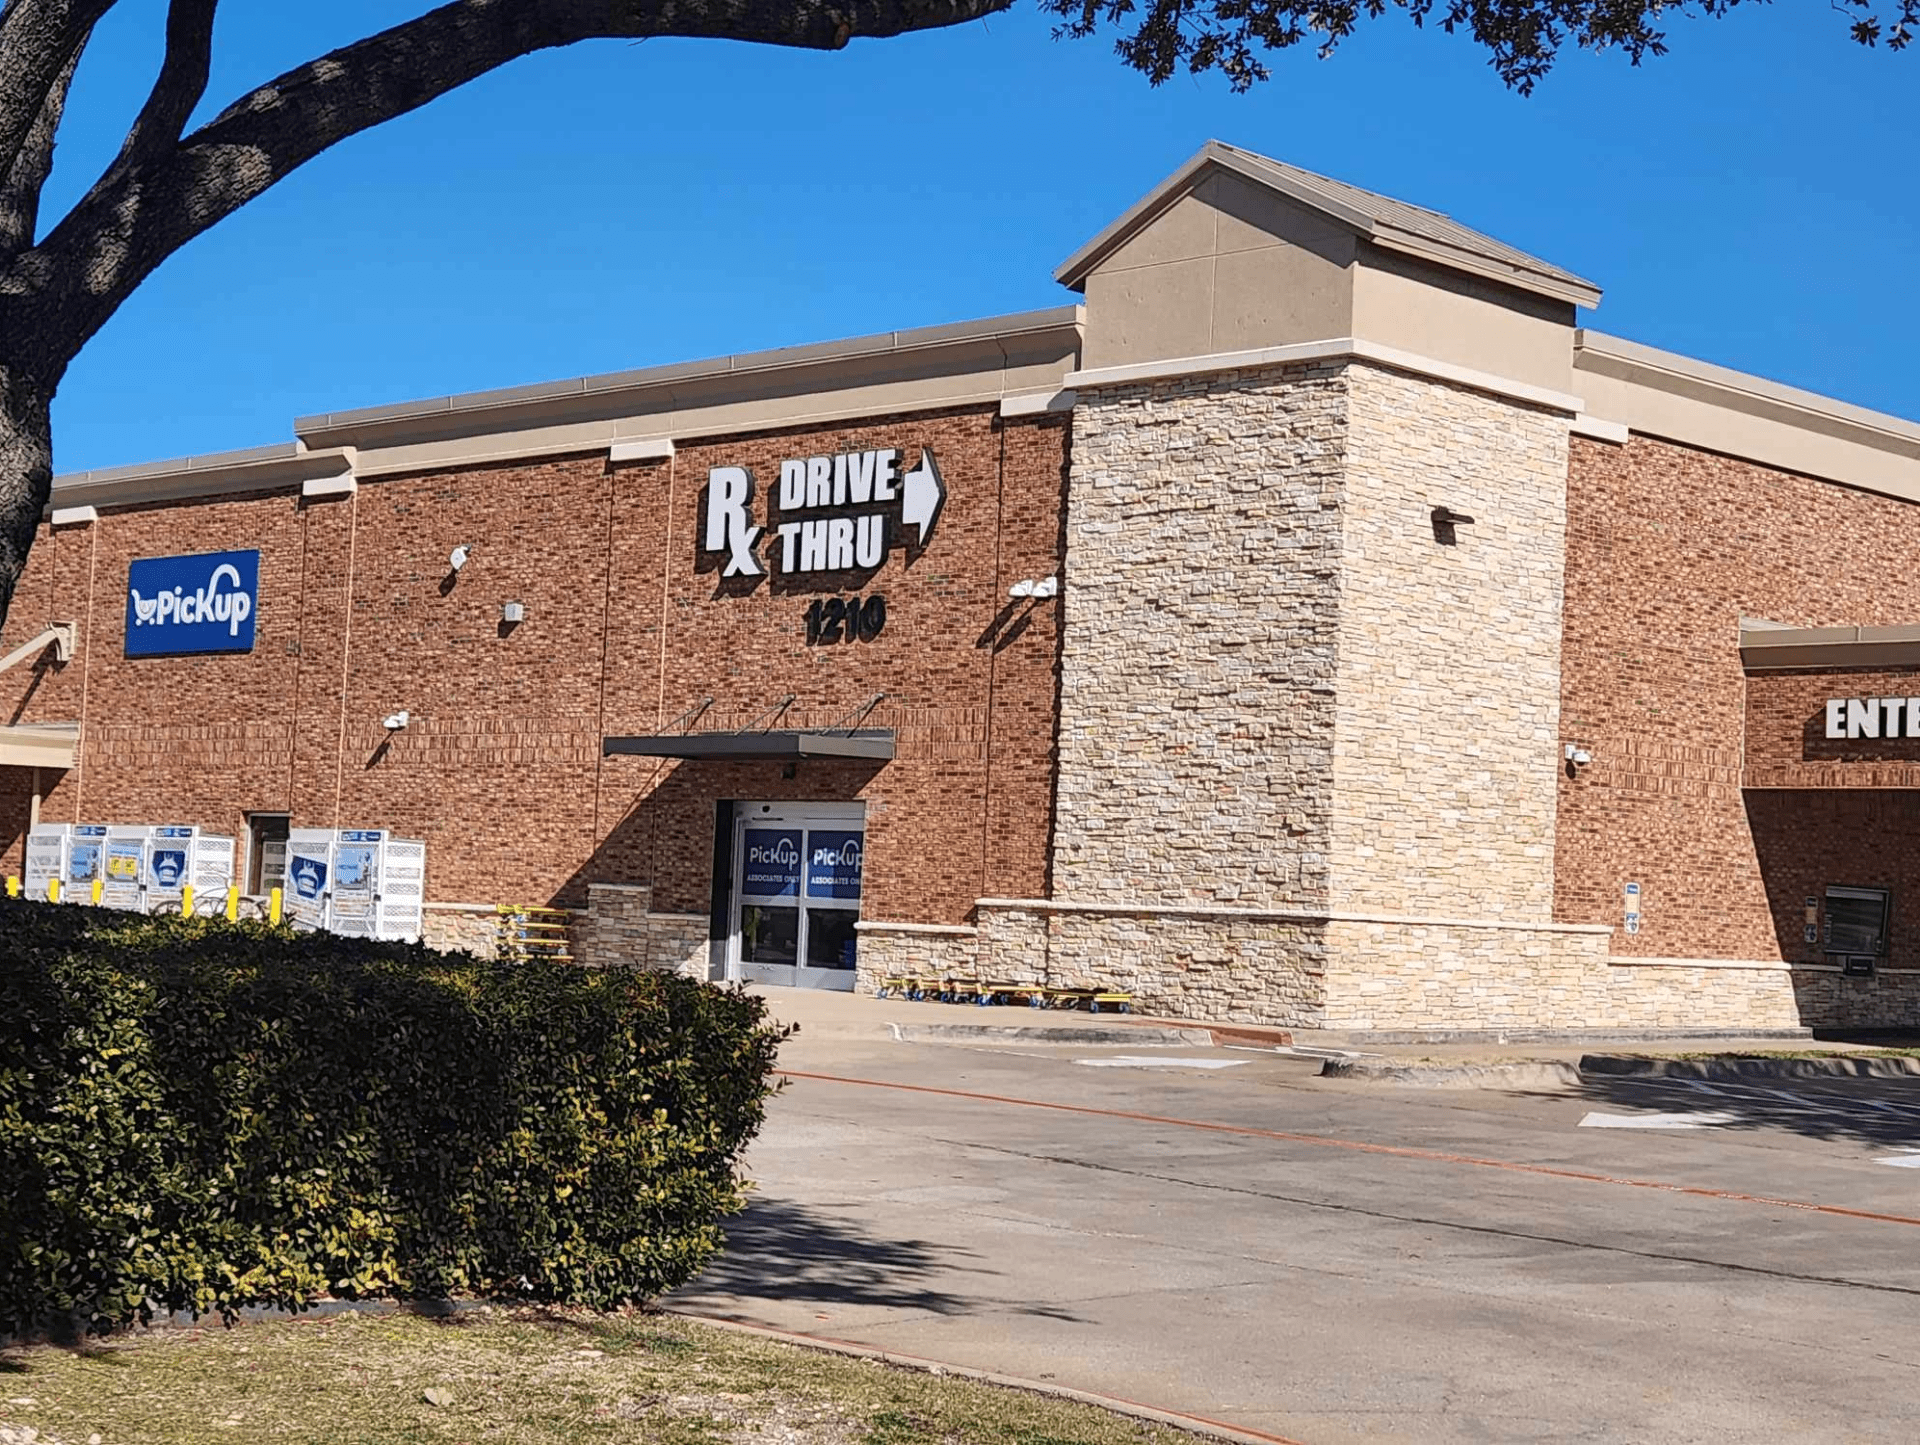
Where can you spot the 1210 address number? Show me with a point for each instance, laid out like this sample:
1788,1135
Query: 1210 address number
842,621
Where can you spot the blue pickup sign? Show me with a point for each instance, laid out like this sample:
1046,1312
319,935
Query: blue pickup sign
193,604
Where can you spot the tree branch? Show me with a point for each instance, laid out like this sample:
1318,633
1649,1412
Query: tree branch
38,41
182,80
54,298
20,193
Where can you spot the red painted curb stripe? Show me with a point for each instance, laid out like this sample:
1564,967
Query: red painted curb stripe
1431,1155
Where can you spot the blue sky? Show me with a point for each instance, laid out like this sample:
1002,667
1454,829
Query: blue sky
616,205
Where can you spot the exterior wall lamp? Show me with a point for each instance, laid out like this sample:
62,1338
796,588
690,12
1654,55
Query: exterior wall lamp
1035,588
1444,519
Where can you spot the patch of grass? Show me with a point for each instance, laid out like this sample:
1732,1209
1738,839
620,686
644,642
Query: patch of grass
515,1377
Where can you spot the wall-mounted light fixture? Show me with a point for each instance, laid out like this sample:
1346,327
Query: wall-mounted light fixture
397,720
513,612
1444,520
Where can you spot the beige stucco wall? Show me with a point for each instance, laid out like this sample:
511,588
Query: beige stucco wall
1435,312
1228,266
1447,704
1197,670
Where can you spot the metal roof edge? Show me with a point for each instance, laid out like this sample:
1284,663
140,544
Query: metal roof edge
271,466
1580,294
1655,366
602,385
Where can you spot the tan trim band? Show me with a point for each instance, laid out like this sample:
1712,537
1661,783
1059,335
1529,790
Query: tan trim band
1331,350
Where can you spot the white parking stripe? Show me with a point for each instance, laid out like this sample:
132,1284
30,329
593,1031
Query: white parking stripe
1656,1120
1123,1061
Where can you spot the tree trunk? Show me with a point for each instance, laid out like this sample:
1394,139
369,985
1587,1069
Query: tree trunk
26,474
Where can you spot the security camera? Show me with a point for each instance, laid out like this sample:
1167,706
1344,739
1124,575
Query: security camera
458,558
396,721
1047,587
1023,590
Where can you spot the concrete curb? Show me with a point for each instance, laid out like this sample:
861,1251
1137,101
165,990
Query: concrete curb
1542,1074
1100,1036
1571,1037
1193,1424
1736,1068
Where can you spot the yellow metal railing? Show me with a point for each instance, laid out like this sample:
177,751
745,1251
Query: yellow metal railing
535,931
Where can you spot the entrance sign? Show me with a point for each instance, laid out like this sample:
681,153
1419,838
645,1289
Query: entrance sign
1876,719
836,513
833,864
771,864
193,604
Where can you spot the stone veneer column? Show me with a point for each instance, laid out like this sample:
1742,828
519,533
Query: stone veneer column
1447,716
1308,752
1198,656
1197,697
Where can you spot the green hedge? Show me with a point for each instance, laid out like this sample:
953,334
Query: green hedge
207,1117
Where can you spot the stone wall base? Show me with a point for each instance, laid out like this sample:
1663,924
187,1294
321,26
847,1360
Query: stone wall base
474,929
620,929
1388,976
899,949
1370,974
1212,966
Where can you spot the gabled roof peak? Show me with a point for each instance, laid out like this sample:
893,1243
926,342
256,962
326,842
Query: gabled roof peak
1383,220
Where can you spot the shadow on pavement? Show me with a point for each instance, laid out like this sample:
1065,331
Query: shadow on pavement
1881,1113
778,1249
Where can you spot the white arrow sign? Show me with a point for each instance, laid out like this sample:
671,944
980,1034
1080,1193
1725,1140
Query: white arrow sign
922,495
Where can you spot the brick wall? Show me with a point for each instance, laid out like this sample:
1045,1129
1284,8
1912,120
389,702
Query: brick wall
627,631
16,800
1668,547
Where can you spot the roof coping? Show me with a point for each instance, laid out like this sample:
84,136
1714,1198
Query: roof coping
1382,219
877,344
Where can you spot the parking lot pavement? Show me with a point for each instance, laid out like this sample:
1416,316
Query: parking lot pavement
1220,1231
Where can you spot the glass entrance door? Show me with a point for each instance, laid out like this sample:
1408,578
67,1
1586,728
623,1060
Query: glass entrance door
796,896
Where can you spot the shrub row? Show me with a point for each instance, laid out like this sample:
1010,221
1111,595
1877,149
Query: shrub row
203,1116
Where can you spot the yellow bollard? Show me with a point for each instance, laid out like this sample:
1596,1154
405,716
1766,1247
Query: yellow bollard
53,889
13,886
233,903
186,900
273,906
98,887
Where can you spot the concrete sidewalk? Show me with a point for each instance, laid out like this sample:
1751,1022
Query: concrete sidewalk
849,1015
842,1015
